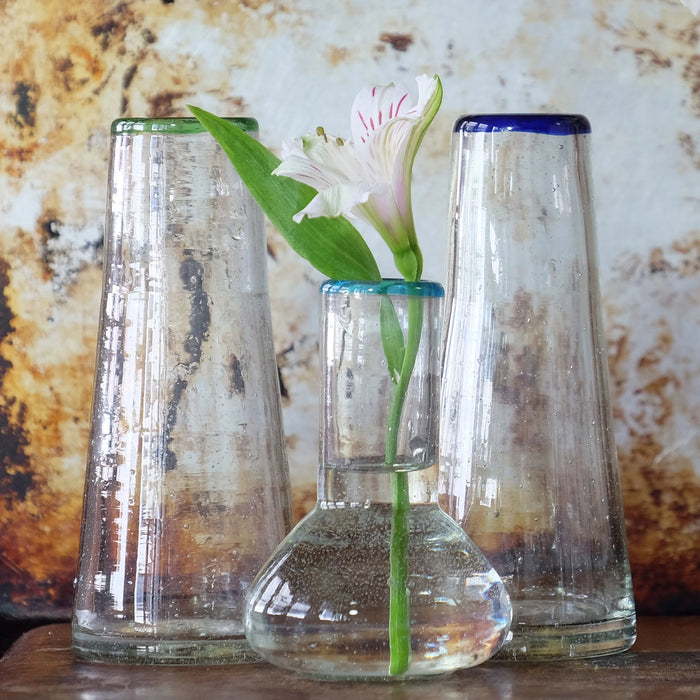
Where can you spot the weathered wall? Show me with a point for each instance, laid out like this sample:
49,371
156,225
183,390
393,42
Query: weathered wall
69,69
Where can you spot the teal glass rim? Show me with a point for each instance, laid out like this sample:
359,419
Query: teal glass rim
174,125
388,287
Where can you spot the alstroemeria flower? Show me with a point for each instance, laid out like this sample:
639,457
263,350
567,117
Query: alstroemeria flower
369,176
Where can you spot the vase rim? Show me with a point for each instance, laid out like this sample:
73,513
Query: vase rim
550,124
174,125
386,286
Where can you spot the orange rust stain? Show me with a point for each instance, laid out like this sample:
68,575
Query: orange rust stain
661,506
690,249
691,74
92,63
67,73
44,407
304,499
14,158
335,55
655,406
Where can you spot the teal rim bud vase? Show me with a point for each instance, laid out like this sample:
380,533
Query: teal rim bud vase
323,605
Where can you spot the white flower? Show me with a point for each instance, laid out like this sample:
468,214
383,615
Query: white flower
692,5
369,176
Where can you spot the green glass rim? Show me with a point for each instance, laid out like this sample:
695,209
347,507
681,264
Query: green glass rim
388,287
175,125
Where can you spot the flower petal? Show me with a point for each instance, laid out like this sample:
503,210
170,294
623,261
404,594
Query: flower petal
320,161
376,106
340,199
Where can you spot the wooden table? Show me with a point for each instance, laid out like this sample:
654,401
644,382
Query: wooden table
663,664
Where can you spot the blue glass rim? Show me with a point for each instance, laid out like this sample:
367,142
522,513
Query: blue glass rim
174,125
551,124
388,287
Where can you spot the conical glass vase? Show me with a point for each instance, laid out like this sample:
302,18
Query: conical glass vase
527,453
377,582
187,487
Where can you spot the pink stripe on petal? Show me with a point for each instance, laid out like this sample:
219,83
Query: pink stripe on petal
398,107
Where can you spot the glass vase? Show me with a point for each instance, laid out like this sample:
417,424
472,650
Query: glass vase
528,461
377,582
187,488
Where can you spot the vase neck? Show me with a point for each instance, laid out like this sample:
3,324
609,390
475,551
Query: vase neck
381,384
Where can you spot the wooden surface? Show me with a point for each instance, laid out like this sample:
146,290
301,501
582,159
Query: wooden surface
664,663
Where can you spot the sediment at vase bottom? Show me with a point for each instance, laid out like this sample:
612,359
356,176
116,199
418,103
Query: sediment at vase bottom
125,645
548,642
364,654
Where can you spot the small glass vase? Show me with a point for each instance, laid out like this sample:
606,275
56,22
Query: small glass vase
187,489
527,453
377,582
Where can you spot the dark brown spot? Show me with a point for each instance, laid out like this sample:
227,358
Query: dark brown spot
113,25
237,382
398,42
26,95
129,74
689,147
688,34
15,476
657,261
161,104
51,228
62,65
283,389
647,59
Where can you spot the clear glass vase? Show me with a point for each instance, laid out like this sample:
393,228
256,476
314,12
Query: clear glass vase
377,582
528,461
187,489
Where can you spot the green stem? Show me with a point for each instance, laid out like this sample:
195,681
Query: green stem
399,612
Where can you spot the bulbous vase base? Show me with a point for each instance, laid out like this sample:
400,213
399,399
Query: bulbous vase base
321,606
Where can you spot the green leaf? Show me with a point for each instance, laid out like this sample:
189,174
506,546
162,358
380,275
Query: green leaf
333,246
393,341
